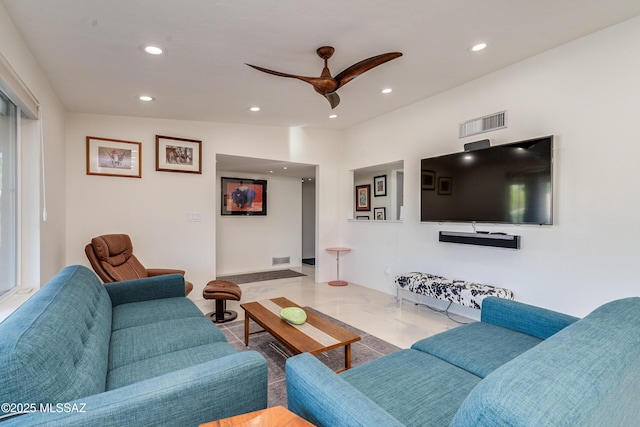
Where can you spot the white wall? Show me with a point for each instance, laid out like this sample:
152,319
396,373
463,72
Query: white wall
248,243
43,242
154,209
586,94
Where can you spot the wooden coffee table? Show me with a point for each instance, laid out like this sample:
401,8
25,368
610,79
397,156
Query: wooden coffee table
315,336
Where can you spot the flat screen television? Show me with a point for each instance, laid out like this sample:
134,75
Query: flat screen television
503,184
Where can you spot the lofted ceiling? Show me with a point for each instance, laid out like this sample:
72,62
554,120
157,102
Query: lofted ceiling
91,51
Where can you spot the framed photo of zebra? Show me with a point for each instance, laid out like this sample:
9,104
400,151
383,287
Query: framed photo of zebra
114,157
178,154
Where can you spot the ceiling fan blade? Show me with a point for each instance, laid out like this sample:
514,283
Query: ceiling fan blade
310,80
333,99
363,66
275,73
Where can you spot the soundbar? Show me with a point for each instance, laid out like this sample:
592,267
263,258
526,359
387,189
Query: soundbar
498,240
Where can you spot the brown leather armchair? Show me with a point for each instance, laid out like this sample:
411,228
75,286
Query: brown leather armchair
111,257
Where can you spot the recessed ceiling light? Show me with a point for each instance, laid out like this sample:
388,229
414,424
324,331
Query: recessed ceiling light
145,98
333,116
387,90
284,167
270,171
254,109
152,50
478,47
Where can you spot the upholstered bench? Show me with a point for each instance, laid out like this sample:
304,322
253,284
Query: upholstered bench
461,292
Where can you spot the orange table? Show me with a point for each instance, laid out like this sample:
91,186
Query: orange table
338,250
276,416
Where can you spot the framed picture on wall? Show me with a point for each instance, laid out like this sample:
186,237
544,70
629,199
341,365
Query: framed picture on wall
363,197
380,185
114,157
380,214
178,154
243,196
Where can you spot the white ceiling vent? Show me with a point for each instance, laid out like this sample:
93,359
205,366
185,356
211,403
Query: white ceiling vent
484,124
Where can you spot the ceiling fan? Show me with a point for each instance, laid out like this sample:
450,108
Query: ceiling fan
327,85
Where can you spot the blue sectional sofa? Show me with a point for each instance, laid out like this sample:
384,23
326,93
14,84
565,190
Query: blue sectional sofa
519,366
134,353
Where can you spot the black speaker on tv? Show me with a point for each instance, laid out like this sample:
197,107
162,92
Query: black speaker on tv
477,145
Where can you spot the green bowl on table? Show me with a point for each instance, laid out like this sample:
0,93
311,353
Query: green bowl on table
293,315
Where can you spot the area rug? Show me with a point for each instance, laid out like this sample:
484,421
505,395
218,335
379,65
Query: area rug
368,348
261,276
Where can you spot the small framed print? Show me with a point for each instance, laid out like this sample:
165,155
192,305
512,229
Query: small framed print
428,180
380,214
114,157
363,197
444,185
178,154
362,217
380,185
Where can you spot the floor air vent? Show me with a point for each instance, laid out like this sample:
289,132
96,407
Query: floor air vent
483,124
281,260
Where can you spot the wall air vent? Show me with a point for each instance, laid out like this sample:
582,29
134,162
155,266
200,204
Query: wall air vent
281,260
483,124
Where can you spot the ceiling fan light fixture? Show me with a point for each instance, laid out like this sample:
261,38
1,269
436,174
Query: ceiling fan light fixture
333,116
478,47
152,50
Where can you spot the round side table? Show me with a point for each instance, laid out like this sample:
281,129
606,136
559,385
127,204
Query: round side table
338,282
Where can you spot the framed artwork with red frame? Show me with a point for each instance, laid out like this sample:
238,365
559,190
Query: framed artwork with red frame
363,197
243,196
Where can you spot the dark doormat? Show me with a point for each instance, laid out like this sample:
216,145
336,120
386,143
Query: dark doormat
261,276
368,348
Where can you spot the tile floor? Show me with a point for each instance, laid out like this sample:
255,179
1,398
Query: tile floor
372,311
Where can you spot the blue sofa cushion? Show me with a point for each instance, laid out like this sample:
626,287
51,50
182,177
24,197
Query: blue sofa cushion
477,347
142,342
404,384
166,363
147,312
55,347
588,374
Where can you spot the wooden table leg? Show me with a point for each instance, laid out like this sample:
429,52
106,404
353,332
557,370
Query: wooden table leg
246,329
347,359
347,356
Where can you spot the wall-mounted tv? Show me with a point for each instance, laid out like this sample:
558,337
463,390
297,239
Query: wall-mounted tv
510,183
